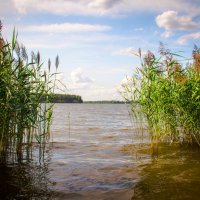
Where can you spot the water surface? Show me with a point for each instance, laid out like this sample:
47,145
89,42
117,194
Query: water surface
87,160
98,152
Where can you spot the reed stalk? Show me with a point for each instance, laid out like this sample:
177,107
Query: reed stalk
23,119
167,94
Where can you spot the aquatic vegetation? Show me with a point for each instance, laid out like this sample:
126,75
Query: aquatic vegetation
166,95
23,119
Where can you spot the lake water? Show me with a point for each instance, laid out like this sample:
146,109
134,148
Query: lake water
92,155
88,161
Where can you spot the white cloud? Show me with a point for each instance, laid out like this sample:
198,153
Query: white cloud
78,78
128,86
48,41
130,51
66,7
127,83
163,5
139,29
69,40
97,93
171,21
102,7
126,80
106,4
184,39
6,7
67,27
89,89
113,71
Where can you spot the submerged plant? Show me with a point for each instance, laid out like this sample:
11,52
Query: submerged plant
167,95
23,119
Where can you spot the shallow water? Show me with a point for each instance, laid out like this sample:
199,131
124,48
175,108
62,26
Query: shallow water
87,160
174,173
96,152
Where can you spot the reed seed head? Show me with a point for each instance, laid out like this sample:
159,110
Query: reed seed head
149,58
196,60
1,26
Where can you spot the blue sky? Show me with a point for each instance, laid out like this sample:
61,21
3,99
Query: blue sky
96,39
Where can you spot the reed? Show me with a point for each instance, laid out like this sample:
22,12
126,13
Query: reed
167,95
23,119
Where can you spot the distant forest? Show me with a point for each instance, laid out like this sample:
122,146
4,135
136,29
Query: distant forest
68,98
64,98
106,102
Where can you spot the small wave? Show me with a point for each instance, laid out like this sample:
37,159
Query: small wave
124,184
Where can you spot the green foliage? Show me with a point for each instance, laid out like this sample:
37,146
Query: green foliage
106,102
168,96
23,118
64,98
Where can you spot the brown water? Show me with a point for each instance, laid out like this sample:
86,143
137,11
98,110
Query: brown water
174,173
96,153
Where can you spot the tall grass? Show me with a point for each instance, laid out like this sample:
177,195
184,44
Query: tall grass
167,95
23,82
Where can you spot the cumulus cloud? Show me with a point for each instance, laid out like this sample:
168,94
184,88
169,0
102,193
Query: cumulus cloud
67,27
86,87
184,39
89,89
106,4
163,5
126,85
126,80
102,7
78,78
171,21
66,7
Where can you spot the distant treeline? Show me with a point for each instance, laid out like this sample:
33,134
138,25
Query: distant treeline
106,102
68,98
64,98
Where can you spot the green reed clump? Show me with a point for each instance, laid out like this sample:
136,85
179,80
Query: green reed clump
167,95
23,82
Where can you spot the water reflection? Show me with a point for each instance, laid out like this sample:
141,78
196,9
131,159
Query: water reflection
172,174
27,179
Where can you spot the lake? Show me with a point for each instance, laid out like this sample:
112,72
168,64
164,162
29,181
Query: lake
96,151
